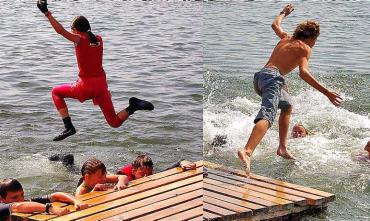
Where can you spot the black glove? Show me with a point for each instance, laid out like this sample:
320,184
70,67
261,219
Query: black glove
42,5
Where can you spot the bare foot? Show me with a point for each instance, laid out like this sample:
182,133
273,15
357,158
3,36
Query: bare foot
246,160
284,154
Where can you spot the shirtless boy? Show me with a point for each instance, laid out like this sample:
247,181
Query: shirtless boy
291,52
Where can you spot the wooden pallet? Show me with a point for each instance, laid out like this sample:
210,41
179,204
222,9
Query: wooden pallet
209,193
229,195
170,195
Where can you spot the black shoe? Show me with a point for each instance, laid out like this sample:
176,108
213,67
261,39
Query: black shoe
66,133
138,104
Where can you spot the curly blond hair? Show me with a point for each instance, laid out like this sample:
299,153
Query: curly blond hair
307,29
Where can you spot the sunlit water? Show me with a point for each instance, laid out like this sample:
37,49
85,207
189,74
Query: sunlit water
152,50
238,40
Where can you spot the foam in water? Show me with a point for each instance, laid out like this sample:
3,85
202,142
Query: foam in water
338,134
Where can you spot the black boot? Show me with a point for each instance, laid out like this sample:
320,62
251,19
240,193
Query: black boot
70,130
138,104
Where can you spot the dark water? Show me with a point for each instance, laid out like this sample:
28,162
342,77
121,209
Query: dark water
152,50
238,40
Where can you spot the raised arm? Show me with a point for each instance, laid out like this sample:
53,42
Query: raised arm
305,74
42,5
276,24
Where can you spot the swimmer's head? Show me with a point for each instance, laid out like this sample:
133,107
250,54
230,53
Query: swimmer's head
93,171
299,131
82,25
142,166
11,191
307,31
367,147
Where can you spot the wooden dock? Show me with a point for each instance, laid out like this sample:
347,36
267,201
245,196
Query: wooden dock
229,195
170,195
211,192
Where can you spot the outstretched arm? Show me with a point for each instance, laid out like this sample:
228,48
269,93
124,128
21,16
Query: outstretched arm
30,207
42,5
276,24
121,180
305,74
67,198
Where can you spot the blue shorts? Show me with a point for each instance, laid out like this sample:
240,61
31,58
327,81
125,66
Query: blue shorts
268,83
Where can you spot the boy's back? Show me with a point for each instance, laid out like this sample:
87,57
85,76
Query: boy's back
292,50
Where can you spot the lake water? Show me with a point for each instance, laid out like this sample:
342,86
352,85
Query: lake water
152,50
238,40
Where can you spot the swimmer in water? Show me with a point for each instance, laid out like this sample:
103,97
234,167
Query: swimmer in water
92,83
365,157
299,131
292,51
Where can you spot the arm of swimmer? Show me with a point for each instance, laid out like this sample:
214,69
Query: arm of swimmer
121,180
80,191
68,198
61,30
27,207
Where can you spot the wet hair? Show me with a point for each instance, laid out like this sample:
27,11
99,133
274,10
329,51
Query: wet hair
81,24
142,161
91,166
9,185
306,30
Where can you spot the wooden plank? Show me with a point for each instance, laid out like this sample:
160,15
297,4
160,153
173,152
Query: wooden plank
298,200
236,201
94,194
173,210
129,192
282,202
199,218
311,198
243,196
242,211
197,213
224,213
329,196
210,216
145,200
157,206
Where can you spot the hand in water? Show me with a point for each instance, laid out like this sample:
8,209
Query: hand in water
288,9
334,98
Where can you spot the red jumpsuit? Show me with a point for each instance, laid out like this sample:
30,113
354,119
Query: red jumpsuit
91,84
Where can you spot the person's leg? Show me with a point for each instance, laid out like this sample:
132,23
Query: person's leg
284,120
116,120
258,132
113,119
270,98
286,107
58,95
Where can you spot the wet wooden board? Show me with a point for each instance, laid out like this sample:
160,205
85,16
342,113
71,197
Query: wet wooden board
210,192
266,198
173,191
